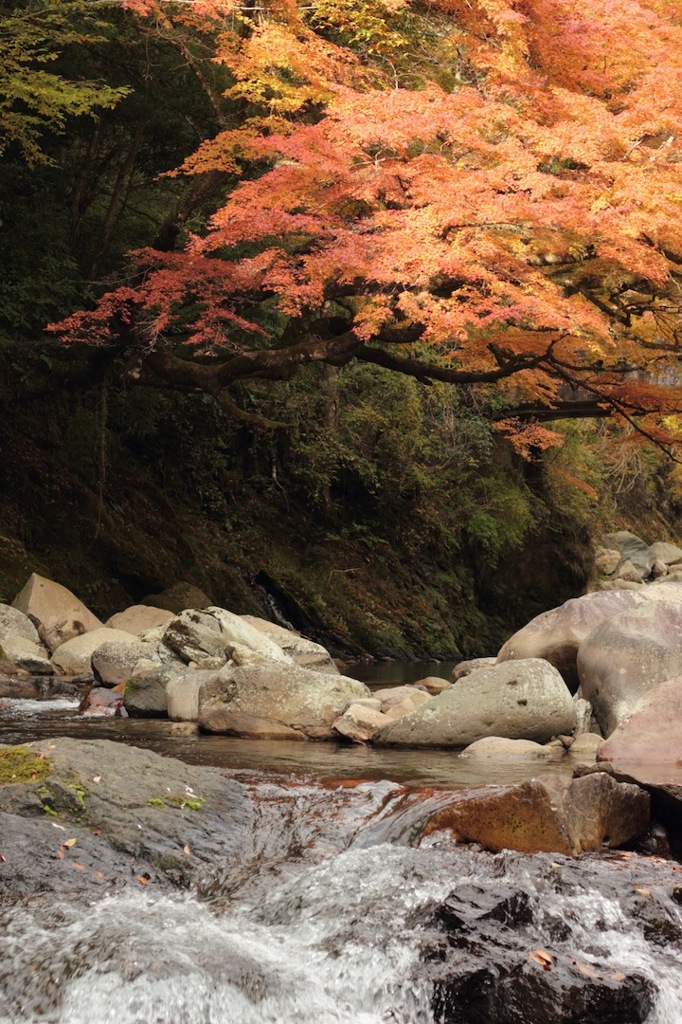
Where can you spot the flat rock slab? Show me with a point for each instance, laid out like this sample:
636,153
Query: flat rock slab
148,810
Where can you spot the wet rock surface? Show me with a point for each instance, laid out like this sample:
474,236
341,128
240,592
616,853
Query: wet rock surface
507,955
132,814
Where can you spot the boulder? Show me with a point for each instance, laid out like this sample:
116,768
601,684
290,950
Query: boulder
103,703
302,651
16,652
182,694
195,636
652,733
138,618
276,701
627,656
42,599
177,598
74,658
433,684
145,694
552,813
556,635
669,554
15,623
359,723
57,630
499,746
632,549
585,746
465,667
114,662
606,560
238,631
519,700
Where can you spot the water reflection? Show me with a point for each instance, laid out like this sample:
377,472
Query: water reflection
324,760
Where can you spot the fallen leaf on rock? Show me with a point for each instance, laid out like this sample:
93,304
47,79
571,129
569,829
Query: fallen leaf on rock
60,853
186,849
3,859
618,976
97,778
542,957
99,874
62,827
642,892
77,866
586,969
143,879
69,842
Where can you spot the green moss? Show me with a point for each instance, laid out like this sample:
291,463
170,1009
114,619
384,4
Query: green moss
18,764
192,803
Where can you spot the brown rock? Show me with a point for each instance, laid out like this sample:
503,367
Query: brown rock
138,618
359,723
433,684
43,600
552,814
178,597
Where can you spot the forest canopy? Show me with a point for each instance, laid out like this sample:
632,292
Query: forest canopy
482,192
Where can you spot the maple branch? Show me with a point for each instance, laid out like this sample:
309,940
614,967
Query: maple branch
427,372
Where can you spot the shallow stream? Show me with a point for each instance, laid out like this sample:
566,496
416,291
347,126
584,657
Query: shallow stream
333,917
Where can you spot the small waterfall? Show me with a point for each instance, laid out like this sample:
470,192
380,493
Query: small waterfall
331,916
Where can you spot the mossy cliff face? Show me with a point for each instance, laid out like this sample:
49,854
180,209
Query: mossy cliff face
400,529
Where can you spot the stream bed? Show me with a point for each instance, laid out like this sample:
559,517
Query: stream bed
338,912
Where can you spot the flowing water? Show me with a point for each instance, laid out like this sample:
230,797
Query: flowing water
330,916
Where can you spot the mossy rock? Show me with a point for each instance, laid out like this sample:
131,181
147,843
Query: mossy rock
18,764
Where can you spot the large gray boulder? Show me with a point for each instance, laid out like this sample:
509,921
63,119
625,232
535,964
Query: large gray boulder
627,656
632,549
238,630
557,634
525,699
74,658
302,651
42,600
196,636
669,554
146,691
276,701
114,662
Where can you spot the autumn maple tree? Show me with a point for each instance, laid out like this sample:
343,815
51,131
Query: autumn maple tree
470,191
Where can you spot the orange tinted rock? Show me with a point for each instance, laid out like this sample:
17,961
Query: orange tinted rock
552,814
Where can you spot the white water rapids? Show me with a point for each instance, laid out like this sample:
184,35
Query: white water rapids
323,935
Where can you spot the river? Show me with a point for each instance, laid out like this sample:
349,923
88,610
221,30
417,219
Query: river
333,920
